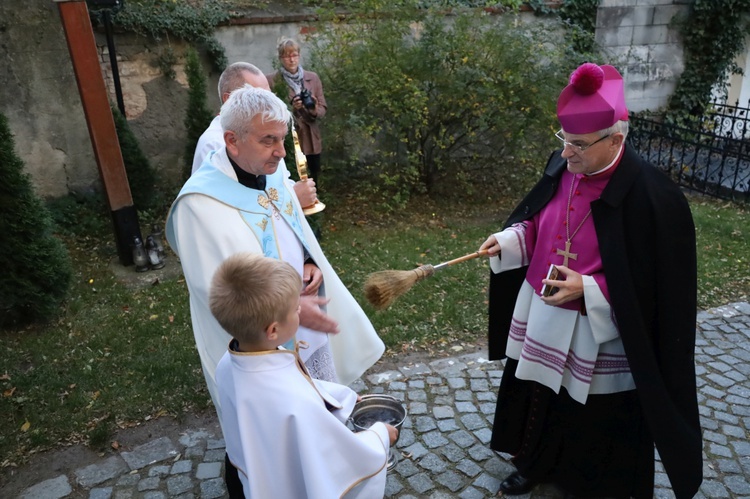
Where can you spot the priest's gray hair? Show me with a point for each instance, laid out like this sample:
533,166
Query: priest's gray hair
247,102
233,77
619,127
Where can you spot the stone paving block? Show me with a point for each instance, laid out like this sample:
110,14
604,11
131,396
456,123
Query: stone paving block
452,452
151,452
433,463
443,411
463,438
196,437
385,377
213,488
154,494
208,470
473,421
100,493
215,443
452,480
415,370
214,455
423,424
183,466
406,437
406,468
126,493
480,453
456,383
421,482
463,395
469,468
54,488
149,483
416,383
416,450
434,439
742,448
738,484
479,385
101,472
160,470
128,480
466,407
446,425
392,486
448,367
179,484
471,493
484,435
488,483
714,489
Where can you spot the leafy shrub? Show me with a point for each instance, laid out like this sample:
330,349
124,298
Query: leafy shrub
36,267
198,115
191,21
415,95
141,175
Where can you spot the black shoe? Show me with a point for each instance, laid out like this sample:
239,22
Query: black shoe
515,485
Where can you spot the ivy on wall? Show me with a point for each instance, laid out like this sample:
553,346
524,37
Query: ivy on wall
579,17
193,22
713,34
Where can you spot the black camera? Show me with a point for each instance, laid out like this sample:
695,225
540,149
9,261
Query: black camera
306,97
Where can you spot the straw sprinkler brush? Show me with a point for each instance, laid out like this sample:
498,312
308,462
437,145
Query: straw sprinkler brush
382,288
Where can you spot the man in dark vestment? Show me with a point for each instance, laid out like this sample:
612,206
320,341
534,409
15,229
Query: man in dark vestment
593,302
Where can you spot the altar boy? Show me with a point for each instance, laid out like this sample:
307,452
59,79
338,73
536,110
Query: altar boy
285,432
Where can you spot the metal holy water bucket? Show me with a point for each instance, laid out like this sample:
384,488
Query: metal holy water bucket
379,408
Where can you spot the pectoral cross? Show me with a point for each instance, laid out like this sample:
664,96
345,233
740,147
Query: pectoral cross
567,254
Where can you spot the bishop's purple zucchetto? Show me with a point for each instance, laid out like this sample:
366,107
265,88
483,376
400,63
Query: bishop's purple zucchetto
593,100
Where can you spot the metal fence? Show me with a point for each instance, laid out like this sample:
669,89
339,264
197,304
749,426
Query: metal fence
712,157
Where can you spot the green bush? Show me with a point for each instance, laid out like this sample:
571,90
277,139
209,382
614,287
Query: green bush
36,268
141,175
198,115
416,96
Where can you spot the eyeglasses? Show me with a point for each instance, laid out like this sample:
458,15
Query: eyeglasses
577,148
290,56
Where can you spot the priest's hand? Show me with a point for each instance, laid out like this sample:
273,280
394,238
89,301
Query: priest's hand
306,192
491,245
311,316
312,278
569,289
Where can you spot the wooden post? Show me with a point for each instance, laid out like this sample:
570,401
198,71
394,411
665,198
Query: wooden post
101,124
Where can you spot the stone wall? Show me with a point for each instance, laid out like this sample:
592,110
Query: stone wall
643,40
39,96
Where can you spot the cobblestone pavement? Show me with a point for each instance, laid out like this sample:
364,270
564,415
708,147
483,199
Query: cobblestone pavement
443,444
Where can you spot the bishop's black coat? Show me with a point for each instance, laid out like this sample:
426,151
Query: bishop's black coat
647,241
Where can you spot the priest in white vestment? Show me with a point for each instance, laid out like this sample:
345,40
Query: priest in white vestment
239,200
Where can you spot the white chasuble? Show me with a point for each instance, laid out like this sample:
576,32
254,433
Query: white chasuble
215,217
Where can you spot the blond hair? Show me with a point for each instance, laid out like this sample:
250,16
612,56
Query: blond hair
287,45
249,292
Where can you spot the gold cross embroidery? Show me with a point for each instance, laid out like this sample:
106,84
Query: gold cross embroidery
289,210
273,195
262,224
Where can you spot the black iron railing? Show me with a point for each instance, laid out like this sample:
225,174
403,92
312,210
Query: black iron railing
712,157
